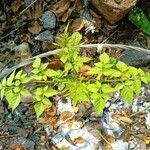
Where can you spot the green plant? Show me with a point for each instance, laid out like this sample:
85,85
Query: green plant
138,18
105,77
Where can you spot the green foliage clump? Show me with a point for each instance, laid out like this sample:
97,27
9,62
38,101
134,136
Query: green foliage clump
105,77
138,18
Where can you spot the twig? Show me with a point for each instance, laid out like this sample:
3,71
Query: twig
136,113
30,60
9,136
27,7
26,62
105,140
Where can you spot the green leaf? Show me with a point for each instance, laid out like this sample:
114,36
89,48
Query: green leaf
99,105
119,86
17,82
95,96
121,66
18,75
105,96
93,88
112,73
138,18
75,39
12,98
128,82
141,72
37,63
25,92
85,59
104,58
16,89
10,79
43,66
137,86
46,101
38,91
39,108
36,71
50,92
106,88
44,77
4,81
127,94
133,71
51,73
25,80
144,79
15,101
37,77
2,93
95,70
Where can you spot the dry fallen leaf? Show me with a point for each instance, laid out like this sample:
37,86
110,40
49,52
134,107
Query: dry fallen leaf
18,147
15,5
39,9
34,27
56,64
147,138
66,15
78,140
84,71
66,115
61,7
123,117
76,25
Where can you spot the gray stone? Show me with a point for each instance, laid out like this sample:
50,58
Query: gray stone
49,20
2,16
135,58
45,36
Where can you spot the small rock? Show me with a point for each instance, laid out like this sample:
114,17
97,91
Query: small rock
45,36
49,20
23,51
114,11
135,58
2,16
120,145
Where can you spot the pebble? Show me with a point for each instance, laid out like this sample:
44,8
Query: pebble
2,16
49,20
45,36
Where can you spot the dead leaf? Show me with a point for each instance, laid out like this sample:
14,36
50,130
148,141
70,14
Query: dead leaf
84,71
43,140
78,5
15,5
56,64
66,15
49,46
76,25
50,111
39,9
147,138
61,7
35,27
123,117
78,140
18,147
66,115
